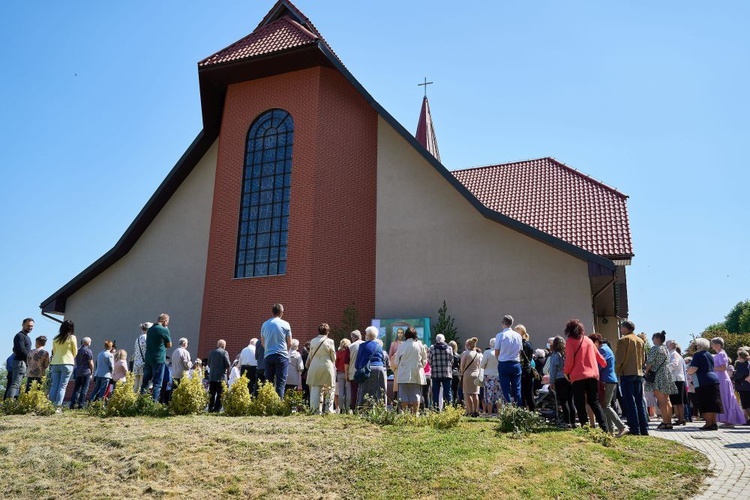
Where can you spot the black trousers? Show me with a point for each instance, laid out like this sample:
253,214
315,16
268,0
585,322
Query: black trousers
527,390
215,389
587,391
252,378
564,393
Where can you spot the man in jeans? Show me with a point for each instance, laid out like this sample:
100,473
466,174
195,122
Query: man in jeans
440,358
630,357
21,349
276,337
158,341
508,345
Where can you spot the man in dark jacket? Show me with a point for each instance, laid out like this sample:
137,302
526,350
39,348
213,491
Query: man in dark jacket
218,364
21,349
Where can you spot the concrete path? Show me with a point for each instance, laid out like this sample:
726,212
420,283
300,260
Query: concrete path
729,453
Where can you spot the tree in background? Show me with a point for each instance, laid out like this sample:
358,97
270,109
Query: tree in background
735,329
445,324
349,322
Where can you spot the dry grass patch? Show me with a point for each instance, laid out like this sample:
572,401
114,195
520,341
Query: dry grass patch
76,456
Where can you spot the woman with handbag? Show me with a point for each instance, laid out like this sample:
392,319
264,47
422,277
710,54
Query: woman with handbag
321,374
469,369
659,378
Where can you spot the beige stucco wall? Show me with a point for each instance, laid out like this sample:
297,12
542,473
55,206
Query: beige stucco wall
432,244
164,272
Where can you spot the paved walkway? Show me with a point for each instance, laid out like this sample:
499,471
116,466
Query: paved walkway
729,453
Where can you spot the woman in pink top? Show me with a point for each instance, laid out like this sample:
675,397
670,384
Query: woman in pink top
582,362
120,372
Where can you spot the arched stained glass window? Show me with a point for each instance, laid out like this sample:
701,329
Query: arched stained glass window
264,213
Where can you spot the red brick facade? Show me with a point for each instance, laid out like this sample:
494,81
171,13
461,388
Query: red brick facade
331,253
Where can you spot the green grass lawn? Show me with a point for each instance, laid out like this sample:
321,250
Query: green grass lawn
77,456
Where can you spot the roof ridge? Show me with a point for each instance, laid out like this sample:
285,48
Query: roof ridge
558,163
263,31
588,177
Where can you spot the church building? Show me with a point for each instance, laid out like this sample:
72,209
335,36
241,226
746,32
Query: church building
302,189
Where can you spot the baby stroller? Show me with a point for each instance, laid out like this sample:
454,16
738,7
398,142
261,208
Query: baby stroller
546,405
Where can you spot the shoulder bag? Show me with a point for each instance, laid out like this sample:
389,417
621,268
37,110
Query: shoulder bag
534,372
650,375
310,358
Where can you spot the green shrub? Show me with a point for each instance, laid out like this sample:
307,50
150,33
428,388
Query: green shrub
294,402
378,413
518,421
32,401
189,398
237,399
96,409
596,435
35,400
122,401
267,402
147,407
446,419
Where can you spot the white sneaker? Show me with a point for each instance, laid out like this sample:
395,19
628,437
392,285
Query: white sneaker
58,410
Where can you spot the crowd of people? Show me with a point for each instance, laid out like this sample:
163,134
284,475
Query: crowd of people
588,381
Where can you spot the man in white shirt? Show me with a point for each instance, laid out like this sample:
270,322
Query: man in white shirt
249,365
508,345
356,337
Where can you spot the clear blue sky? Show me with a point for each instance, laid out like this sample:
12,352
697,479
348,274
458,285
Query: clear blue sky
100,99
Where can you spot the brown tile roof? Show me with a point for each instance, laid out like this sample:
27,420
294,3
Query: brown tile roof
554,198
281,34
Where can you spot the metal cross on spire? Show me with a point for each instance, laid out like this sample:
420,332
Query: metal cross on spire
425,84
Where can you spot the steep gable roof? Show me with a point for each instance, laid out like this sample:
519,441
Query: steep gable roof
278,36
558,200
282,34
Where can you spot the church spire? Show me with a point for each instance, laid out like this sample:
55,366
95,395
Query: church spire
425,129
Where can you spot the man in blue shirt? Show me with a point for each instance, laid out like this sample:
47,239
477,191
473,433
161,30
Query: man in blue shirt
508,345
275,338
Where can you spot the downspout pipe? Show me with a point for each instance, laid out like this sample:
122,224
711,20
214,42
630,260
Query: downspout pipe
47,315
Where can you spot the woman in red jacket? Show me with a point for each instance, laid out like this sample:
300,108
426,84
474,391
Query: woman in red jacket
582,362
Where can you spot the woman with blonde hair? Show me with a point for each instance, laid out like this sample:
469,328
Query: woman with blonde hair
321,373
470,364
343,389
120,371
